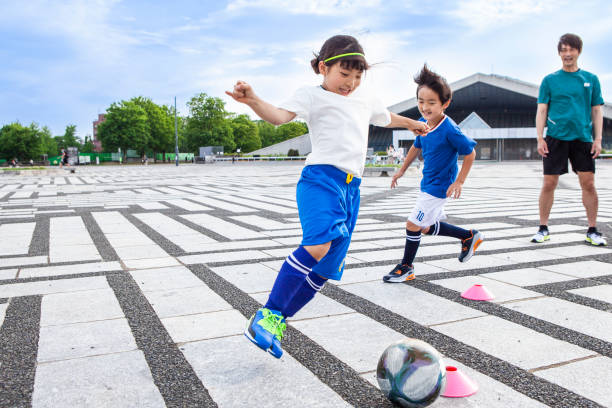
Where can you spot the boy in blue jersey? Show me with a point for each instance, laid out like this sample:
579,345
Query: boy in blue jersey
569,104
441,148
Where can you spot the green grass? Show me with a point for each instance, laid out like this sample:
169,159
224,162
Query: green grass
24,168
383,165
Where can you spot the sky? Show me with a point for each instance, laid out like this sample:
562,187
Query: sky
64,62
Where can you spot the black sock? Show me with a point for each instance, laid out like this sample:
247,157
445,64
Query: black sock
448,230
543,227
413,239
592,229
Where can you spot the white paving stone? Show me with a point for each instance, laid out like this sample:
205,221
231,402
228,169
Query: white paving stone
294,385
79,307
583,319
250,278
601,292
586,377
204,326
52,286
412,303
512,342
527,276
165,278
503,292
582,269
68,269
8,273
186,301
337,335
222,227
23,260
16,238
84,339
112,380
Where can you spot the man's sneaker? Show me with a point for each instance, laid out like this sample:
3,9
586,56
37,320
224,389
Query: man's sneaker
469,245
541,236
266,328
400,273
595,238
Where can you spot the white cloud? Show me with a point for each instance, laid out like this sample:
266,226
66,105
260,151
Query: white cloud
482,15
318,7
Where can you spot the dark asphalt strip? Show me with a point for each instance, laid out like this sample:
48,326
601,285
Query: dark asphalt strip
542,326
559,290
170,247
341,378
104,248
18,350
40,238
173,375
500,370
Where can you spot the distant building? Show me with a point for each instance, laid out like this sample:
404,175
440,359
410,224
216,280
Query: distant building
498,112
96,123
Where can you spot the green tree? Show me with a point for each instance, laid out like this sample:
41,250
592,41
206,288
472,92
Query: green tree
69,138
48,143
246,134
23,143
290,130
126,127
160,121
87,146
267,133
207,124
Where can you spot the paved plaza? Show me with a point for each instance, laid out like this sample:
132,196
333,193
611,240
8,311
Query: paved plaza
130,286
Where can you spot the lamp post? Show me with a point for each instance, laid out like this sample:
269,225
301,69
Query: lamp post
176,152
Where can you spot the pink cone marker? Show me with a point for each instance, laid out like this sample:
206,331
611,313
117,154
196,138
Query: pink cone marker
458,384
477,292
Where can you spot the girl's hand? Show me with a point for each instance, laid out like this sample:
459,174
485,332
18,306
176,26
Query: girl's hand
242,92
454,190
420,128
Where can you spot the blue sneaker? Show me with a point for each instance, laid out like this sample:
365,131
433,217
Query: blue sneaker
266,329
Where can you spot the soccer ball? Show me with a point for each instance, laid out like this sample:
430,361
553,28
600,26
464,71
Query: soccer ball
411,373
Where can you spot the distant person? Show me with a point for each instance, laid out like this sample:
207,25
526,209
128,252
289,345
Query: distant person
441,149
64,159
338,115
570,105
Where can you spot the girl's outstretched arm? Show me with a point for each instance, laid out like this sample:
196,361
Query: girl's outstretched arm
243,93
420,128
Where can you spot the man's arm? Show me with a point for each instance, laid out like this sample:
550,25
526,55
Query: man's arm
541,118
420,128
597,118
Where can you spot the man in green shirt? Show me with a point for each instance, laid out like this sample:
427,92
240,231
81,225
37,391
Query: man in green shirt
569,104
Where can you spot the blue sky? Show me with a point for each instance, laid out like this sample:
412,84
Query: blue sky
63,62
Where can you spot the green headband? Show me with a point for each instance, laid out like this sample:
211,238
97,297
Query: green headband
344,55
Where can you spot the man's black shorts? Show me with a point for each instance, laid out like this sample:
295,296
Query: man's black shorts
559,151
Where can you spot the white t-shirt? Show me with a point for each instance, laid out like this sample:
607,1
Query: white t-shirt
338,125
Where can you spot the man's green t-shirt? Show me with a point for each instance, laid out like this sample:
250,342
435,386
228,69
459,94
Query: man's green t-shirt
570,96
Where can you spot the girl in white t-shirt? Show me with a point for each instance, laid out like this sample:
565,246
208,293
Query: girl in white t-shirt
338,117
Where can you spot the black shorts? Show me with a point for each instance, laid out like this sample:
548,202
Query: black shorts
559,151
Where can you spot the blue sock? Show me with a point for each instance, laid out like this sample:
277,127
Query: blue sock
291,275
310,286
448,230
413,240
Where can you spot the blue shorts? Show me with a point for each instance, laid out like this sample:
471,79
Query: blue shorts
328,204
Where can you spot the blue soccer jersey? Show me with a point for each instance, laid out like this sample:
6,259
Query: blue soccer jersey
441,148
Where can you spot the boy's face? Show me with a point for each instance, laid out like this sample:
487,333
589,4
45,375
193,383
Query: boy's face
337,79
569,55
429,104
